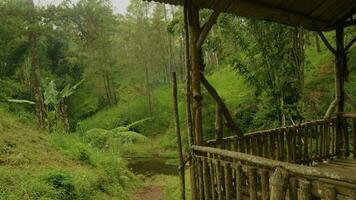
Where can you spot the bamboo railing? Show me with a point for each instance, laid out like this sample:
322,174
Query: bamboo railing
276,164
223,174
303,143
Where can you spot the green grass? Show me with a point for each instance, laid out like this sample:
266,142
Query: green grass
36,165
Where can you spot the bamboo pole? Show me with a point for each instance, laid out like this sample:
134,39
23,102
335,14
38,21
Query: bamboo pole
195,55
179,139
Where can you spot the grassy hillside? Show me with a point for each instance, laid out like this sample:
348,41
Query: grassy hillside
36,165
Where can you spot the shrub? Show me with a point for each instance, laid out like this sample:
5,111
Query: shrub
97,137
83,154
62,182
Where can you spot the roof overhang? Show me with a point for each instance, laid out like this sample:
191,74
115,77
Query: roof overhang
311,14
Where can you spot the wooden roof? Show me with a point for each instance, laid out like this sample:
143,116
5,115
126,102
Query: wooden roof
310,14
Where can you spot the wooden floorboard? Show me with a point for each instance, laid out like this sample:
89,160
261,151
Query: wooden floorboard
344,165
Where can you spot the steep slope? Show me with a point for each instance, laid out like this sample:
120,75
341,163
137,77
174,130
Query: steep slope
36,165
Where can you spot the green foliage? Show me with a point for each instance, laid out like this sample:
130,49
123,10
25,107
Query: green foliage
63,182
129,137
98,137
21,101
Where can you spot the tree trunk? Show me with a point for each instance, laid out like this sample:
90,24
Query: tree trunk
35,69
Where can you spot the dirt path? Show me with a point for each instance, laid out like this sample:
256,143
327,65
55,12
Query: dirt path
149,193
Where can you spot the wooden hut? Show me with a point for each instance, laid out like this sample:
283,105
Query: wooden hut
313,160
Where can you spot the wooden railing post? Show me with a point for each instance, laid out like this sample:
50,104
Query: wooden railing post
252,182
238,184
304,190
329,193
354,138
279,183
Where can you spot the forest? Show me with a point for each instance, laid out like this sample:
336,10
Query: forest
86,93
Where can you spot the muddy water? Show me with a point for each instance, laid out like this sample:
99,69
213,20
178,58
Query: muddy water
151,166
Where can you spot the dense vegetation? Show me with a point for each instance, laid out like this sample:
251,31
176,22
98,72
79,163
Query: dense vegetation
97,84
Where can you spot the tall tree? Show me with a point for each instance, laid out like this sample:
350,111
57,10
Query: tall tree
35,68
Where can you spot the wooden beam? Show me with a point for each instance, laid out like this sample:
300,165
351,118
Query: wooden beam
229,120
349,45
331,108
326,42
350,23
350,100
211,21
207,27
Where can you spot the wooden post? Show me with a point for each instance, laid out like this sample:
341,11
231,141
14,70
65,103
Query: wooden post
252,182
279,184
265,184
239,178
179,139
340,70
354,137
195,55
188,99
228,181
218,122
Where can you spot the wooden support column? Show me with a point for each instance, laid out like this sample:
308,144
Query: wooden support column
195,56
188,100
340,68
340,72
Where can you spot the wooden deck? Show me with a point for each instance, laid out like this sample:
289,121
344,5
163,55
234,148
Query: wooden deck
343,165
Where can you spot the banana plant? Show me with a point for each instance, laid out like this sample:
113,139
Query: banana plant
55,102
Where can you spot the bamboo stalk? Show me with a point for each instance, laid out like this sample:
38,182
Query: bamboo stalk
228,181
252,180
206,179
265,184
239,182
354,137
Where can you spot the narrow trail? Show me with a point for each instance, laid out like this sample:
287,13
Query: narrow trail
149,193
